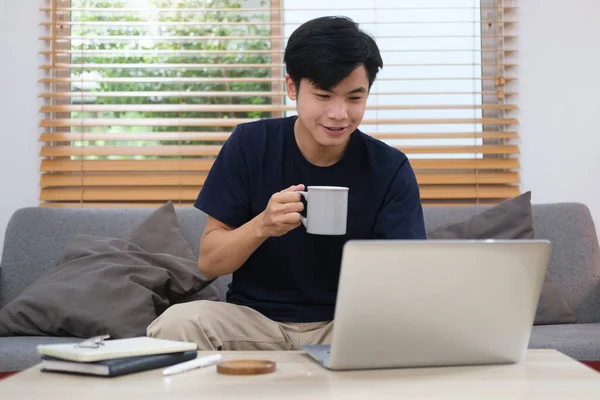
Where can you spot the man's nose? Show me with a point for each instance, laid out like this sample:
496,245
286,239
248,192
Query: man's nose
338,111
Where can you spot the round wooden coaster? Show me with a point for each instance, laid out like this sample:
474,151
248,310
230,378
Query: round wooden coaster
246,367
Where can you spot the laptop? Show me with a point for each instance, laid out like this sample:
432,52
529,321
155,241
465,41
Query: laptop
428,303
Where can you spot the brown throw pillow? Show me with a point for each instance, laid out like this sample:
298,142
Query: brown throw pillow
114,286
512,219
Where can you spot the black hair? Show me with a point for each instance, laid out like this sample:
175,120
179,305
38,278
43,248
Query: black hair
326,50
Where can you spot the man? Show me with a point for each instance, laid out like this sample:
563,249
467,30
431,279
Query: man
285,280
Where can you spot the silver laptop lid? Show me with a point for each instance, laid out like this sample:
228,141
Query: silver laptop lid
428,303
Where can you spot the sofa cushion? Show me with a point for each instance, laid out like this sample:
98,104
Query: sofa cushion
114,286
160,233
20,352
36,237
579,341
511,219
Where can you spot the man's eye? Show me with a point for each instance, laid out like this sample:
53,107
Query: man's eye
355,98
322,96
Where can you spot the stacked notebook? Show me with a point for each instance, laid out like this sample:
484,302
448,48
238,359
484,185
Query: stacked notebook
115,357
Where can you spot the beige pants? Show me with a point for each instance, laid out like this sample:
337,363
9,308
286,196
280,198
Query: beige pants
224,326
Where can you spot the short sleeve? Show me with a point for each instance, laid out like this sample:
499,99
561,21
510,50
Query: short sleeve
401,216
225,194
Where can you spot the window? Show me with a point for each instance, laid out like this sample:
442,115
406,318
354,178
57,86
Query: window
140,94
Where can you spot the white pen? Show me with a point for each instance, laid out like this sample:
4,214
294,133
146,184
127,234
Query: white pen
195,363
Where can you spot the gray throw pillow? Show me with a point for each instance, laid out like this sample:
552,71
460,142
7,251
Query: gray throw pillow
511,219
114,286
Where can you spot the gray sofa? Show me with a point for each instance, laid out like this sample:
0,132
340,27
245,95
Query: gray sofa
35,237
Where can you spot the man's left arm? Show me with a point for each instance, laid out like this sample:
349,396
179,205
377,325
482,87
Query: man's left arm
401,215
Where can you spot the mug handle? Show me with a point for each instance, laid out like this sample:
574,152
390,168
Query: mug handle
302,218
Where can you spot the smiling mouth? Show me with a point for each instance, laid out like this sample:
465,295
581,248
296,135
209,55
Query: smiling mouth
335,129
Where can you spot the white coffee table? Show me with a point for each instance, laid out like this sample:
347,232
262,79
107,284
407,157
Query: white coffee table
545,374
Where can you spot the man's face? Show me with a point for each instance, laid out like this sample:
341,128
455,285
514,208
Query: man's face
329,117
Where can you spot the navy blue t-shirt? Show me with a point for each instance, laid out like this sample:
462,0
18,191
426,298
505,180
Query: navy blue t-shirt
294,278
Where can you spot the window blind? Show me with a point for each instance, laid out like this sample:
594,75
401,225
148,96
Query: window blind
139,95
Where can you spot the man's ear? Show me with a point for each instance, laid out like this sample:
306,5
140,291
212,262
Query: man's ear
292,90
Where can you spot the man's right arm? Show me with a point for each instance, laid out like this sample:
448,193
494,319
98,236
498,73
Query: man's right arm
224,248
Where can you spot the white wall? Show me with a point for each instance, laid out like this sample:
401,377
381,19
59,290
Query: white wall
559,101
19,118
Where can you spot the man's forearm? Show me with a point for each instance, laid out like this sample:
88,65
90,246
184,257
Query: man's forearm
222,252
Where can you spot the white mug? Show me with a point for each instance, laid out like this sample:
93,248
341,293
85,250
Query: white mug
326,211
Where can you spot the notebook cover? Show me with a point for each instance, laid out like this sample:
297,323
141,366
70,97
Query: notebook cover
116,366
117,348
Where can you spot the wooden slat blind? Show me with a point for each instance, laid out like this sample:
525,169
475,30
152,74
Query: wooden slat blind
139,95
